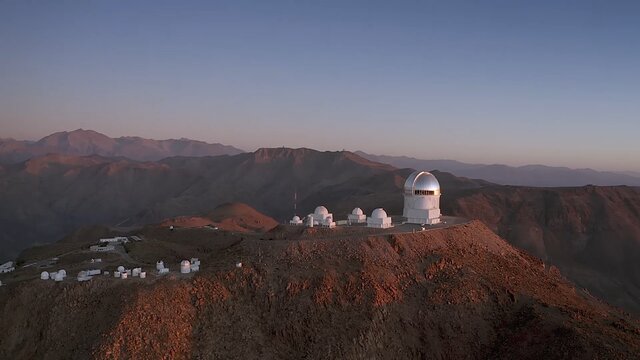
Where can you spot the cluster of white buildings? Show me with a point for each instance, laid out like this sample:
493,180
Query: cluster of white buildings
186,266
189,266
55,275
421,206
320,217
109,244
7,267
123,273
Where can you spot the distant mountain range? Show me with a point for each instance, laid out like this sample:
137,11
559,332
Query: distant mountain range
88,142
528,175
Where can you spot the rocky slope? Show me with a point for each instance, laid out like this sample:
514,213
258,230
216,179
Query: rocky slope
87,142
236,217
452,293
591,233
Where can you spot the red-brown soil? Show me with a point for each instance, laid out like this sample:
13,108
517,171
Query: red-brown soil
453,293
236,217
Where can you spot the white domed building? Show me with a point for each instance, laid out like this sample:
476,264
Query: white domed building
322,217
357,216
422,198
185,267
296,220
379,219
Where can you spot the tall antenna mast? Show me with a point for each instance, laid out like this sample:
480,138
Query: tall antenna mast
295,202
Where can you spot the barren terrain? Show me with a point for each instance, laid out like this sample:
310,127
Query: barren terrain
460,292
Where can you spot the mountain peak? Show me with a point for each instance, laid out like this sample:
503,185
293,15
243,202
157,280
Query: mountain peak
89,142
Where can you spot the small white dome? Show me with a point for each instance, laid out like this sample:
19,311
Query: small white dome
121,269
44,275
321,210
357,211
62,272
379,213
296,218
185,267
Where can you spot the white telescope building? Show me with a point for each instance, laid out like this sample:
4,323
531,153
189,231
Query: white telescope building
422,199
322,217
357,216
379,219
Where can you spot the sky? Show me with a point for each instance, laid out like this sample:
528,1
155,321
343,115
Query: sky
512,82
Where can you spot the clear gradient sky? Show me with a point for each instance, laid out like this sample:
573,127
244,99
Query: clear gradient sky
515,82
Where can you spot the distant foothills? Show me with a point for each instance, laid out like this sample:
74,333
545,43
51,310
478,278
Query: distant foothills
88,142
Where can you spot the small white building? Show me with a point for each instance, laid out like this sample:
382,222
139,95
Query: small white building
310,220
379,219
94,272
117,239
44,275
185,267
422,199
295,221
160,265
102,248
83,276
357,216
322,217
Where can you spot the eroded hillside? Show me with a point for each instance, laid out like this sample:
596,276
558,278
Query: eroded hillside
460,292
591,233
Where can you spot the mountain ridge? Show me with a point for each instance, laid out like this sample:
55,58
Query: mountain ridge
526,175
89,142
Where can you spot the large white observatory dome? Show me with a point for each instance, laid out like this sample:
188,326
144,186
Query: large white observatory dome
321,210
421,183
422,198
379,213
